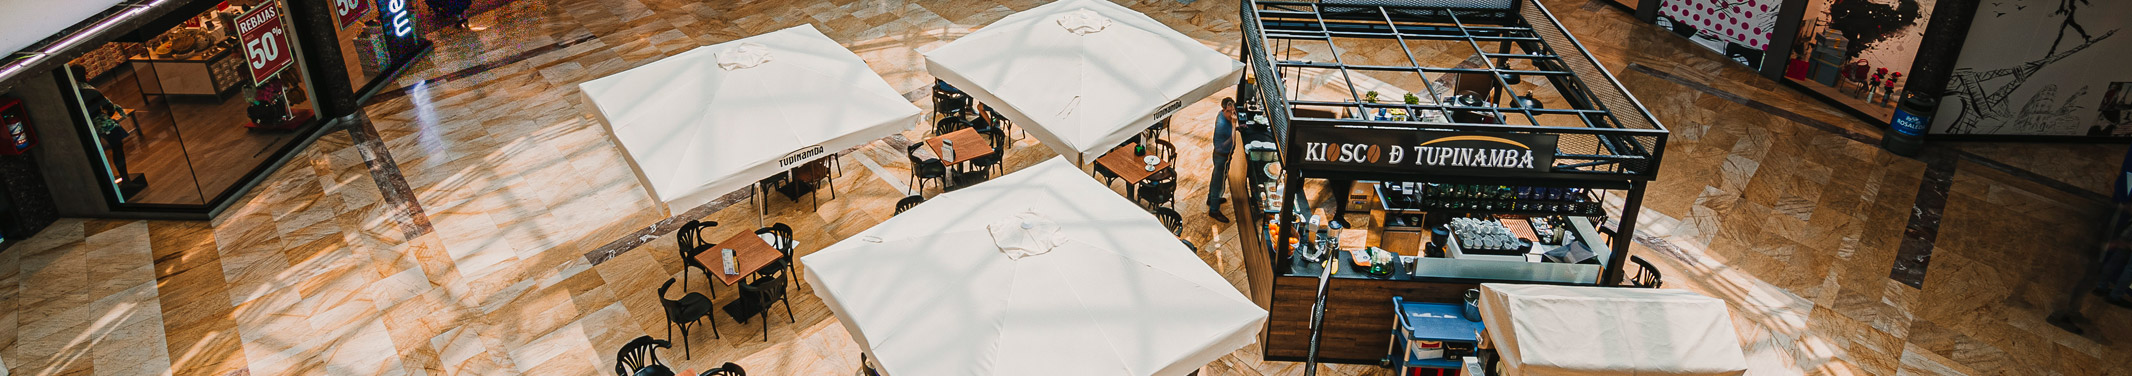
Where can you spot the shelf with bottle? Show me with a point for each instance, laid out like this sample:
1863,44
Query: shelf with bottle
1492,199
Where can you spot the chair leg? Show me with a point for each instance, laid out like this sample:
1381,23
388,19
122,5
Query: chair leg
765,324
788,312
713,319
685,352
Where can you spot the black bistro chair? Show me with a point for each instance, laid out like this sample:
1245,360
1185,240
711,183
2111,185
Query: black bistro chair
774,183
691,238
1108,175
949,102
1002,121
690,310
729,369
1170,220
1164,149
949,124
992,131
779,235
815,176
757,296
640,355
923,169
1158,193
1646,276
909,202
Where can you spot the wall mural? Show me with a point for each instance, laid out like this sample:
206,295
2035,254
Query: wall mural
1860,48
1740,29
2008,82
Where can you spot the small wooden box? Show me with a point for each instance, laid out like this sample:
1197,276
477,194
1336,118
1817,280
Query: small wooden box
1362,197
1405,241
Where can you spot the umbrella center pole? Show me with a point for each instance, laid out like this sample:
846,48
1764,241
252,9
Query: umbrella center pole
1317,319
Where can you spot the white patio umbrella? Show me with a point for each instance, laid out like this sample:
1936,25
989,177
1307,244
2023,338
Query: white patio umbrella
1093,286
718,118
1082,75
1542,330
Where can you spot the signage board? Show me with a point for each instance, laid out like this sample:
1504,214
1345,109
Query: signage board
1908,123
1415,151
398,19
350,11
1167,109
265,40
803,154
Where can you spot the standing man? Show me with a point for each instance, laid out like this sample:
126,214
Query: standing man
2117,252
1218,182
2110,276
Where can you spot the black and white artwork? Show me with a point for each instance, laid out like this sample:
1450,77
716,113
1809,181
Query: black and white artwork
2009,82
2114,117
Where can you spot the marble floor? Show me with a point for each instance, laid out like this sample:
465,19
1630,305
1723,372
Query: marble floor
477,221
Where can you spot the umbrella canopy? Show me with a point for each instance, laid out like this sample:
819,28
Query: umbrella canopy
717,118
1542,330
1092,286
1082,75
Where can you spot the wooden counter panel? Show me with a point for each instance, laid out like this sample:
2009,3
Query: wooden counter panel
1358,316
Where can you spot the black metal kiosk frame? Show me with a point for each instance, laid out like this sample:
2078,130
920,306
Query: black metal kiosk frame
1596,136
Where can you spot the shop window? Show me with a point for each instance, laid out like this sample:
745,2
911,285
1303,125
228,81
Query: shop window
181,118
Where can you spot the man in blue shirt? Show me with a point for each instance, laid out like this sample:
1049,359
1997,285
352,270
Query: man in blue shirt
1218,181
2116,273
2111,277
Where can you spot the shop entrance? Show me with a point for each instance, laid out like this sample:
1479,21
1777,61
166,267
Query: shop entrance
178,119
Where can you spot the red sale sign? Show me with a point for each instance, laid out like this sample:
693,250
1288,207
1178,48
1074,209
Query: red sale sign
350,11
266,41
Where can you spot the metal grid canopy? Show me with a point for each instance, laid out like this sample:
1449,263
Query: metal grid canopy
1604,133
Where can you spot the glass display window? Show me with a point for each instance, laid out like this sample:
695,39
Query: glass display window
194,112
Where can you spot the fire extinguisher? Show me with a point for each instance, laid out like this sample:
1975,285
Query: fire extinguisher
15,120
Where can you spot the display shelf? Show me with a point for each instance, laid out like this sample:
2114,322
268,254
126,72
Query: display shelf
1594,208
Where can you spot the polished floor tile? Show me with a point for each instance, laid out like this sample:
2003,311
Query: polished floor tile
475,252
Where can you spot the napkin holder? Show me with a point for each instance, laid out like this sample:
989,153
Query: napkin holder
732,267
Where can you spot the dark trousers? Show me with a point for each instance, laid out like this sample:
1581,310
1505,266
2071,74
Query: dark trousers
2115,276
1218,183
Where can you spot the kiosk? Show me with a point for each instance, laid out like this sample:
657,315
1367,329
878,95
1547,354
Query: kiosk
1486,146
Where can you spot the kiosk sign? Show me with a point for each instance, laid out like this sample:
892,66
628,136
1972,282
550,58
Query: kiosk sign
266,42
1424,151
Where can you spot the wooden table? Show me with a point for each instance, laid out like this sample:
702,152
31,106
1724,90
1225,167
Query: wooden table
968,145
751,252
1129,166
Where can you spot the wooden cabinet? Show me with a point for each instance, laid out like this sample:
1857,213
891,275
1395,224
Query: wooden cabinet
212,75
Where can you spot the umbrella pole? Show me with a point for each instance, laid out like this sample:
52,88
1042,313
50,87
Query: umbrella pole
1317,320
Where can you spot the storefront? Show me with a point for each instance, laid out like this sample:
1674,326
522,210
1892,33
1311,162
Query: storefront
1501,153
1934,68
174,108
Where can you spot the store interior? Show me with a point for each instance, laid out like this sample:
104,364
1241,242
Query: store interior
186,106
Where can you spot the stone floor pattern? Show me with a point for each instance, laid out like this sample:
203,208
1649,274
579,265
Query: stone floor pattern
471,256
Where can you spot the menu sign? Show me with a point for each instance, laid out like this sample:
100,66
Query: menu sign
1361,149
350,11
266,41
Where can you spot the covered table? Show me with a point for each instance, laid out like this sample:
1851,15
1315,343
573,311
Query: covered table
718,118
1093,286
1082,75
1543,330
